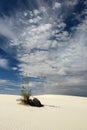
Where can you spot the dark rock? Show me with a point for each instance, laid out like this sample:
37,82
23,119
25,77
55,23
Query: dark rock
35,102
31,102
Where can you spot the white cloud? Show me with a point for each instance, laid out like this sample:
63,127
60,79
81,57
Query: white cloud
3,63
6,28
43,9
14,68
25,13
46,61
57,5
36,12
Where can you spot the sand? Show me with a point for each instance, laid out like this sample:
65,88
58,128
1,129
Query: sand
59,113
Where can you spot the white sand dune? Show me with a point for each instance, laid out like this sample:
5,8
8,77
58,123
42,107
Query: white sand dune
59,113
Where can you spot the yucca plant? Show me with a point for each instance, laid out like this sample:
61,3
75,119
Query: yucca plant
26,91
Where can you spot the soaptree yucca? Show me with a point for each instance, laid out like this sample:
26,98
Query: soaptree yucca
25,91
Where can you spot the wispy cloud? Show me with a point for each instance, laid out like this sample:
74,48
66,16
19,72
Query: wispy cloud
2,81
7,86
8,83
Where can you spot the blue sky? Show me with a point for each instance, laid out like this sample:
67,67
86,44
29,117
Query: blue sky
45,39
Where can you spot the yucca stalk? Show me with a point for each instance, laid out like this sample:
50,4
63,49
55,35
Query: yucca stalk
25,91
